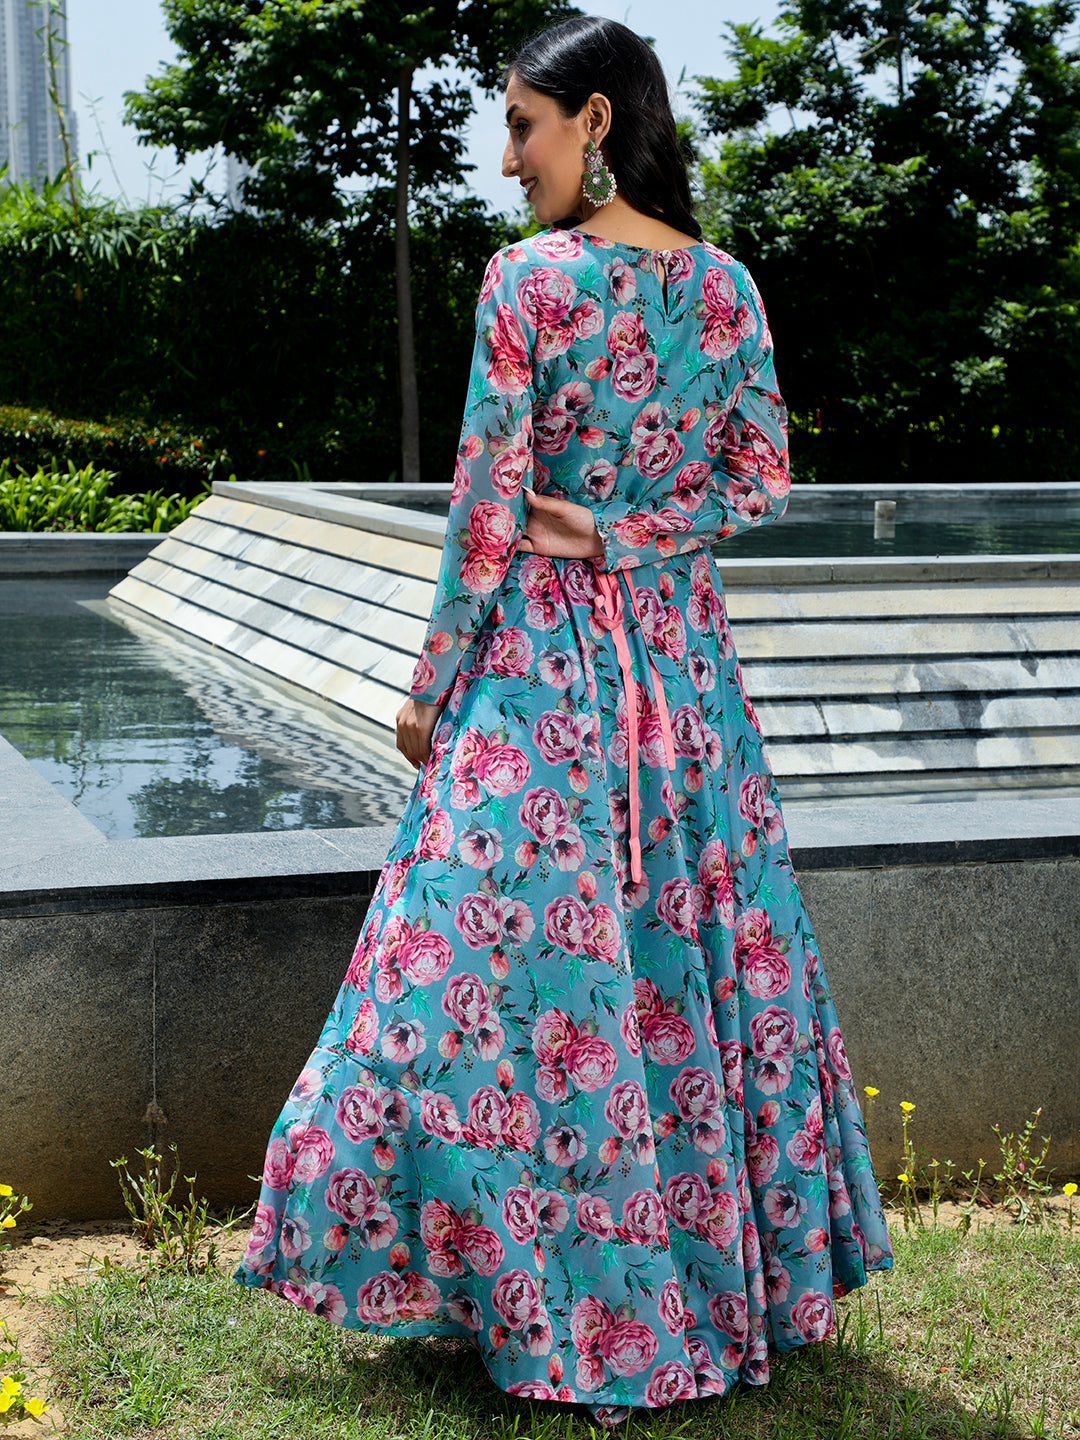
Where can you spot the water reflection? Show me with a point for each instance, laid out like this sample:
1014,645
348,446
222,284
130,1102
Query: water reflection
149,737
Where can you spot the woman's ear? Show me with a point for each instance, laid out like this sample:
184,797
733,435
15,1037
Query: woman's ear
597,117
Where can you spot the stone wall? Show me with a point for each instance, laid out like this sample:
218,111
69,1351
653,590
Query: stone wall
172,989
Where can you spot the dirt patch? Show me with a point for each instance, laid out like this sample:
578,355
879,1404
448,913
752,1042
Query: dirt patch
48,1252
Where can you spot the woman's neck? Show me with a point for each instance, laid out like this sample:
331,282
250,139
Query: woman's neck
620,222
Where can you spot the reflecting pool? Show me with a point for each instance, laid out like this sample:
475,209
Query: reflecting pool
148,736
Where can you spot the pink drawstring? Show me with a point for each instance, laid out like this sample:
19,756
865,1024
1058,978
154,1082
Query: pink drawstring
608,611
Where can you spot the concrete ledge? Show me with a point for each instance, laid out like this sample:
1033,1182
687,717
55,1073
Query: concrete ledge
72,552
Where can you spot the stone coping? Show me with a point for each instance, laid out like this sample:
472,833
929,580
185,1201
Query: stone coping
340,503
54,869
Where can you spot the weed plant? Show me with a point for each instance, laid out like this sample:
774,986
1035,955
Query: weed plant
176,1230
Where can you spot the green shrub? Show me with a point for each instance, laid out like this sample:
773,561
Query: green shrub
50,500
139,454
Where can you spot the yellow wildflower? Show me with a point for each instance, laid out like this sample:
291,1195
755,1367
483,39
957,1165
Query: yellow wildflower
904,1179
6,1402
1070,1189
8,1223
5,1189
35,1406
10,1387
906,1106
871,1090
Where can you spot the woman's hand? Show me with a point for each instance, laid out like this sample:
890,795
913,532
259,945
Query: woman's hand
416,721
560,529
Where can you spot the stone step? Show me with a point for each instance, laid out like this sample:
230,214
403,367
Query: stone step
386,551
376,698
921,714
849,755
820,679
372,656
251,583
402,593
1003,601
901,639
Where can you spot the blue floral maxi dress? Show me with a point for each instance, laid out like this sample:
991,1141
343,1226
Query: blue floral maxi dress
582,1096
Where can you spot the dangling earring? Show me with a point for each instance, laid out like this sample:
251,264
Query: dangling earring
597,183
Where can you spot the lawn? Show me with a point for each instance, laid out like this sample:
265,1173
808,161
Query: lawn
972,1334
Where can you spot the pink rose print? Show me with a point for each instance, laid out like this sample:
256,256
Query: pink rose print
479,921
728,1312
671,1307
519,1212
670,1382
426,957
521,1129
488,1113
593,1215
628,1347
762,1158
314,1150
364,1028
667,1038
359,1112
621,280
545,297
774,1031
674,906
566,924
466,1001
643,1219
784,1206
439,1117
509,369
352,1194
508,469
516,1298
627,333
590,1062
834,1045
436,836
543,812
511,652
812,1315
502,769
695,1092
721,1225
565,1145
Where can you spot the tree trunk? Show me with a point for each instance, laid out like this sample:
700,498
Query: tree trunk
410,401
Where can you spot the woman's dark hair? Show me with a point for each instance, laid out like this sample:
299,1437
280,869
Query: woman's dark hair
591,55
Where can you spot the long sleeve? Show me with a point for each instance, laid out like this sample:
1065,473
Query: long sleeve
668,507
487,507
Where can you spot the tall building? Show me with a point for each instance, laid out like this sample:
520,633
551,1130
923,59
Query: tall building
30,144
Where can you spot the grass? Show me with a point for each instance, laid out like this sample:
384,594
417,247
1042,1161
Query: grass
973,1335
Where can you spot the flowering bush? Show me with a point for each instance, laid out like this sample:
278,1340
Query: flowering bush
15,1404
141,454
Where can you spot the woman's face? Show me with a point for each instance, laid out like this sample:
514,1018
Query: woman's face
546,151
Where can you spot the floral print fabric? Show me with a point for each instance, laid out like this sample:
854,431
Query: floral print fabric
582,1095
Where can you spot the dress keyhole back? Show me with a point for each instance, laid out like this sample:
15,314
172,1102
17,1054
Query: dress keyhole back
661,265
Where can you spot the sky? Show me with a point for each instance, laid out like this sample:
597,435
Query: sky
116,44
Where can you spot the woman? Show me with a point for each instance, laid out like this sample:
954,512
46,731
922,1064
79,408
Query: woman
582,1096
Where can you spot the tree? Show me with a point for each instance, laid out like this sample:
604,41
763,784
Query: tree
320,96
915,228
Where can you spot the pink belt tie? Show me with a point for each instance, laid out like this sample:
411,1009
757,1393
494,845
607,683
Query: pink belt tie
608,611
